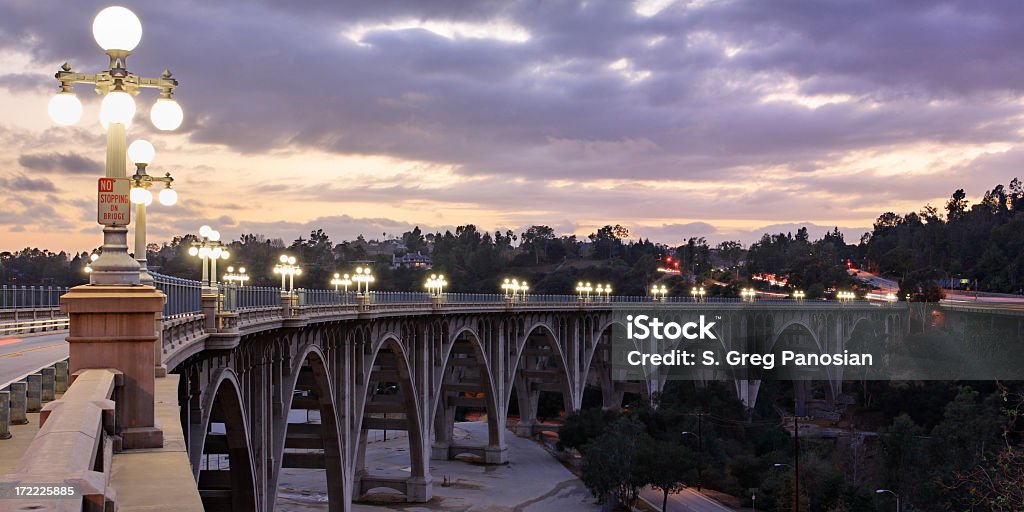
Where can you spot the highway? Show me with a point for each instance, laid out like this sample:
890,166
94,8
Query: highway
26,354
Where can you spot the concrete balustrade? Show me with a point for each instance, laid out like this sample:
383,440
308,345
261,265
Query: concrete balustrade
48,391
19,407
74,445
61,383
34,392
5,414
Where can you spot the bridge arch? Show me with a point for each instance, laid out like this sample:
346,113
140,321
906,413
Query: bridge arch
388,367
232,489
311,445
540,365
464,374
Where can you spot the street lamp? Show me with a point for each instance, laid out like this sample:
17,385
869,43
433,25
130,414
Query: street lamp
88,266
605,290
117,31
748,294
799,295
584,289
236,278
142,153
435,285
698,293
882,491
288,270
845,296
338,280
659,290
890,298
363,278
700,451
209,249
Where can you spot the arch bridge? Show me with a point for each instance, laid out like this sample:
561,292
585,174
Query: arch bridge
409,363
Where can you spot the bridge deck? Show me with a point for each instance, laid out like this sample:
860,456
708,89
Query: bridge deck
133,472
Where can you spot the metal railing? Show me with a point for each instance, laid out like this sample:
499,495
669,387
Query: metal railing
184,296
18,297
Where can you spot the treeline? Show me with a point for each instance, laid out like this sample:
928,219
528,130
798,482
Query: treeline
981,243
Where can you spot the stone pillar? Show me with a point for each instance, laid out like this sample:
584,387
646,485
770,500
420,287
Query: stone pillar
209,308
61,383
49,388
112,327
18,403
34,392
5,414
158,347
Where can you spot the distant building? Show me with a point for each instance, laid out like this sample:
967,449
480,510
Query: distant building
411,260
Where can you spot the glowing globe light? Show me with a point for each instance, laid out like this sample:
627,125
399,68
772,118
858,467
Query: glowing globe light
166,114
193,251
204,231
141,152
168,197
117,107
65,109
117,28
140,195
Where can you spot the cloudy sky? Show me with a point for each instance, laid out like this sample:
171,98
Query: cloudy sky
674,118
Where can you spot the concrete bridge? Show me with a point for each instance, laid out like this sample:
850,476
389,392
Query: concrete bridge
403,362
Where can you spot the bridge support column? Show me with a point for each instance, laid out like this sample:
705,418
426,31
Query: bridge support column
496,454
112,327
419,489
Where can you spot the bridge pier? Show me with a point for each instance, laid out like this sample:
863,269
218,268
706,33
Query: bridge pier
112,327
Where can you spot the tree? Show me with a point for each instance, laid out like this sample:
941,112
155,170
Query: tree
664,465
584,426
610,462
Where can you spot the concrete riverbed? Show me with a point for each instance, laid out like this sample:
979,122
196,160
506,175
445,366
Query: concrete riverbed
533,480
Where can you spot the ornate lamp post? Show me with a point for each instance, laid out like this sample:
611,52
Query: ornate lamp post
288,270
799,295
339,280
748,294
435,285
363,278
209,249
604,289
698,293
92,259
142,153
583,290
236,278
659,292
117,31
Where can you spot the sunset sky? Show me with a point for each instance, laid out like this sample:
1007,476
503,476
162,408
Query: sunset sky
674,118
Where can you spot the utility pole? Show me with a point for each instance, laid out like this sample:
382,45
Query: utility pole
700,451
796,463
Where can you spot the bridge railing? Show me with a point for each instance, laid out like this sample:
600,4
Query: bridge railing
73,449
20,297
248,297
184,296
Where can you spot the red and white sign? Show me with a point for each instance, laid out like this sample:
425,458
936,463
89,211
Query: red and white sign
113,207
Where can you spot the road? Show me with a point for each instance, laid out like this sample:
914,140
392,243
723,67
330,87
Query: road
23,355
688,500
